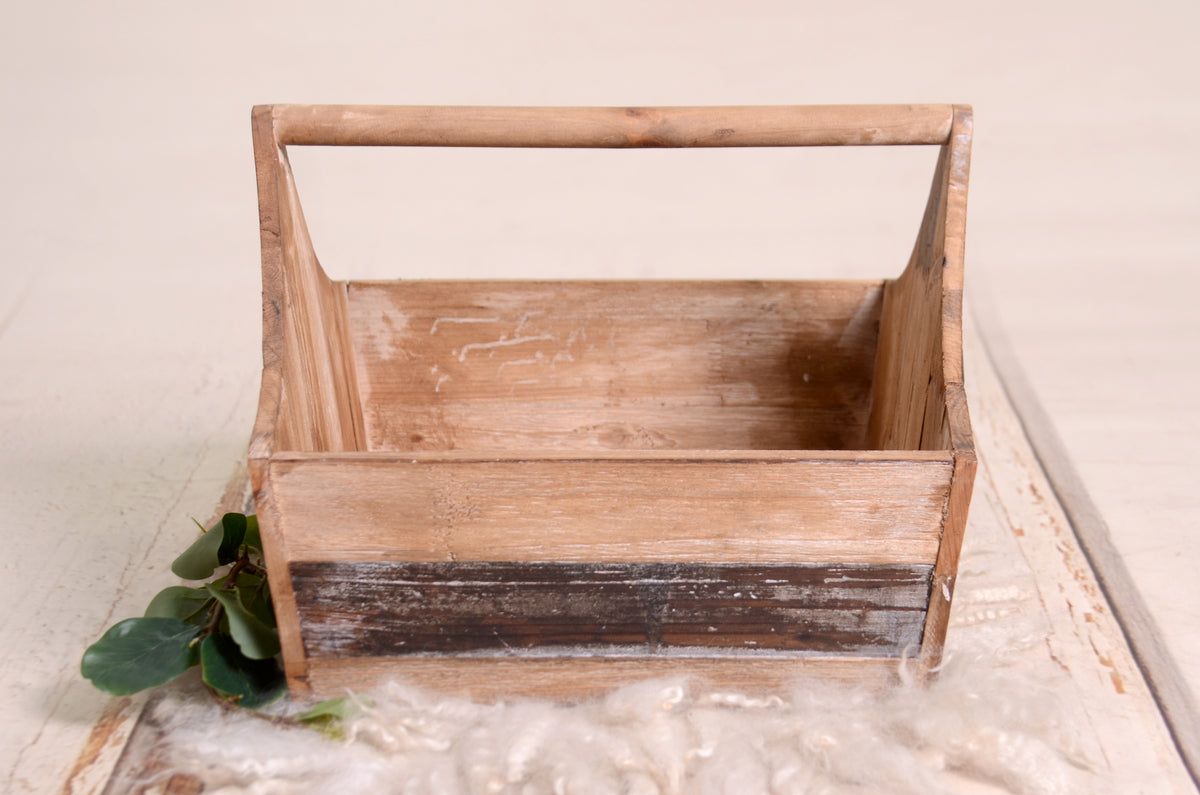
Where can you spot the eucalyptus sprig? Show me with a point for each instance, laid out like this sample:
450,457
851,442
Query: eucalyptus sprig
226,626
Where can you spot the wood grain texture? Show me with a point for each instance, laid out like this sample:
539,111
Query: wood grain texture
815,125
908,404
769,508
623,423
1025,588
957,416
1083,637
945,574
355,609
308,399
572,679
270,395
309,396
322,409
1164,674
954,417
919,399
495,366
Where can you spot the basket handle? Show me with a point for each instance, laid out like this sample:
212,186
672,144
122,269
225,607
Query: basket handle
577,127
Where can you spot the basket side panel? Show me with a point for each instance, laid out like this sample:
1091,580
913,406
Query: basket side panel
377,609
322,410
945,574
283,597
627,509
573,678
880,512
919,400
309,398
908,404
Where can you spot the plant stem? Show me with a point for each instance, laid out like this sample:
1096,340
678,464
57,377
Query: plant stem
231,705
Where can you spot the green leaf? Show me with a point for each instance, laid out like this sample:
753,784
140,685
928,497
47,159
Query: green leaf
256,597
216,547
254,683
246,580
200,559
341,708
328,716
253,538
234,525
256,640
139,653
179,601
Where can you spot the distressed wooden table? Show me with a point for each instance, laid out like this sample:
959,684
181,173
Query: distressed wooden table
1026,590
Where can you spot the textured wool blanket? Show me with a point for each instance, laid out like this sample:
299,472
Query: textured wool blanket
975,728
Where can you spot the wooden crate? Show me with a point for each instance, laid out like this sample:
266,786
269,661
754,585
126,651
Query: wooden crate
516,487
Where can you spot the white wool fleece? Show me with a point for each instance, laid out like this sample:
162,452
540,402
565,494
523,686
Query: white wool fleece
975,729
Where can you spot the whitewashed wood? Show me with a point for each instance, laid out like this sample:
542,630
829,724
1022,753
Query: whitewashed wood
1057,615
1164,674
105,745
81,733
1026,595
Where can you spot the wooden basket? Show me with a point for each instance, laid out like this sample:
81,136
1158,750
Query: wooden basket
556,487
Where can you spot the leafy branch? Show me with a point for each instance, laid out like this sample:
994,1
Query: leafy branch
226,626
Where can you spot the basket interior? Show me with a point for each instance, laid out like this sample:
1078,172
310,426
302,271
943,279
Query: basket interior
560,366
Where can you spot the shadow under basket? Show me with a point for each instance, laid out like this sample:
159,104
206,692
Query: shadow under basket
509,488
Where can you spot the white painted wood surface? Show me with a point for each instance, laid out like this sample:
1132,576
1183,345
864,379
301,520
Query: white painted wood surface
128,260
1026,603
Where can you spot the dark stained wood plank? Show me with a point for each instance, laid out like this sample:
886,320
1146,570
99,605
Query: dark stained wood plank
387,608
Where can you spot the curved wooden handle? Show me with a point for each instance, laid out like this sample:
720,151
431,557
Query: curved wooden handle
793,125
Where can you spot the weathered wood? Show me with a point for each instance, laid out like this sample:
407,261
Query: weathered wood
1024,570
908,404
820,423
576,365
945,574
308,399
569,679
355,609
952,415
957,416
919,400
1165,677
812,125
309,394
766,507
323,411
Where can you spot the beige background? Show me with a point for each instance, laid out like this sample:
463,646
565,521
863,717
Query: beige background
129,325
